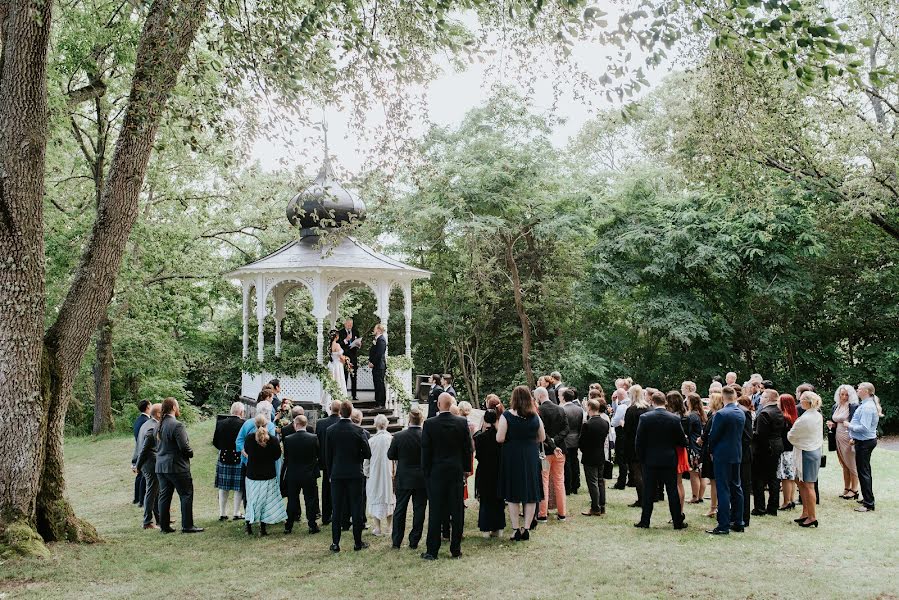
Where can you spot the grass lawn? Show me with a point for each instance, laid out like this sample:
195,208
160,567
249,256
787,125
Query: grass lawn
850,556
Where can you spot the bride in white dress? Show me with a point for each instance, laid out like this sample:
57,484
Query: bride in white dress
337,364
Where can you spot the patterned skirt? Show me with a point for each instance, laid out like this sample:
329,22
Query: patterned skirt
264,503
227,477
786,468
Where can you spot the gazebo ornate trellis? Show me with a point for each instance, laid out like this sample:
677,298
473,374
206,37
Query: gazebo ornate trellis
328,267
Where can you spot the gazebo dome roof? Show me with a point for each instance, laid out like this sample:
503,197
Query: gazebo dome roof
326,204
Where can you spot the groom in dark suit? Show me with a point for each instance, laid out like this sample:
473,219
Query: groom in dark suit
347,338
377,362
659,434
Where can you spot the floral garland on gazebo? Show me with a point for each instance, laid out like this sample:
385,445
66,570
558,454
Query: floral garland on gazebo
293,365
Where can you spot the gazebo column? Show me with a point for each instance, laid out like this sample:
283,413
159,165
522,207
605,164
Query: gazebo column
320,312
320,339
260,319
407,313
246,318
279,316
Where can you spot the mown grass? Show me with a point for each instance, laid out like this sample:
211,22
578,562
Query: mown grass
850,556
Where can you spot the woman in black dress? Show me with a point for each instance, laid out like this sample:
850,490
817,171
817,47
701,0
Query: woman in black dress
521,433
708,470
639,405
492,512
697,420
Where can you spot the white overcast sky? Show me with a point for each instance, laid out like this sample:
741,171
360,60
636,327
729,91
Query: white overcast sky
448,98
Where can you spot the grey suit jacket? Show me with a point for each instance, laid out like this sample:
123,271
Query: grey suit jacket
173,451
145,450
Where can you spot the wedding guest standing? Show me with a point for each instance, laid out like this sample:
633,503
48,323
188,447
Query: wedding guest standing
621,401
380,499
173,454
806,435
845,403
696,419
492,510
556,428
786,470
321,432
144,462
445,456
638,406
140,489
264,504
659,435
746,460
228,470
767,447
447,382
521,432
300,474
405,449
593,442
726,446
708,465
434,394
674,402
575,415
346,448
863,429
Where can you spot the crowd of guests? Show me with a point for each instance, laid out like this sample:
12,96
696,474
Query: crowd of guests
749,445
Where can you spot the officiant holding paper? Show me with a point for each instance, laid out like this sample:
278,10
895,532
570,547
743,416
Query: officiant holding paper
349,340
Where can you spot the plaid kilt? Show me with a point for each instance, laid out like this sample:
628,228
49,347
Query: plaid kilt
228,477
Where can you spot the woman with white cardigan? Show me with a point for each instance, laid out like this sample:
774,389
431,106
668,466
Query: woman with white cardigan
807,438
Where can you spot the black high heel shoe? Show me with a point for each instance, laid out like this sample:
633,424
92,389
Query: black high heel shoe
787,506
852,495
526,535
800,519
248,528
812,524
516,537
262,530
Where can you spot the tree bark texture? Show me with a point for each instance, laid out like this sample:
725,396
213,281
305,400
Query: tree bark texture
522,314
24,36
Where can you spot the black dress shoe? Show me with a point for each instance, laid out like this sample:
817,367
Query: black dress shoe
456,554
737,528
413,546
681,525
288,530
166,530
360,546
335,548
772,513
636,504
641,525
427,556
394,547
223,518
758,512
717,531
618,487
314,528
192,530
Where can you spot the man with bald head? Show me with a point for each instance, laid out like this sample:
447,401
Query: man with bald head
321,431
445,460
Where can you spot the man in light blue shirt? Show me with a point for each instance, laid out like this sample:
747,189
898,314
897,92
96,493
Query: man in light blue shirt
617,426
863,431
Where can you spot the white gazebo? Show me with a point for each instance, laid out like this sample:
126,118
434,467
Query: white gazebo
328,267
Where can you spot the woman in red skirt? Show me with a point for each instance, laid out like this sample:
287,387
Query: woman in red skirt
675,404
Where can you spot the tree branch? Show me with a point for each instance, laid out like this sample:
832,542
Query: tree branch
95,89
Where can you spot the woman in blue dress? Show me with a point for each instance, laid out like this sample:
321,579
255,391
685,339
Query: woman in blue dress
521,433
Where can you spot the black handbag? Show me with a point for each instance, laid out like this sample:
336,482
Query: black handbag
823,460
831,440
607,468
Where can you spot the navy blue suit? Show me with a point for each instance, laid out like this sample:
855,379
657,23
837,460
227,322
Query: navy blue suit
140,484
726,446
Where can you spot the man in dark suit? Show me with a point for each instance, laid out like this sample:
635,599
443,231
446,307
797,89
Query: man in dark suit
405,448
447,382
173,454
445,457
349,340
377,362
555,386
592,442
434,394
140,486
321,431
767,446
144,461
290,428
299,473
346,448
726,447
659,434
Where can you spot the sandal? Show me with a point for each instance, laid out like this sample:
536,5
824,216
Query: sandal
851,495
712,513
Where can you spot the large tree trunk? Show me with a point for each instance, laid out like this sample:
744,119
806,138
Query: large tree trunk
36,376
103,378
523,318
24,35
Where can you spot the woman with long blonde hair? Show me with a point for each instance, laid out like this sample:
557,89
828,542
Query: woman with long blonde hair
716,403
845,401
